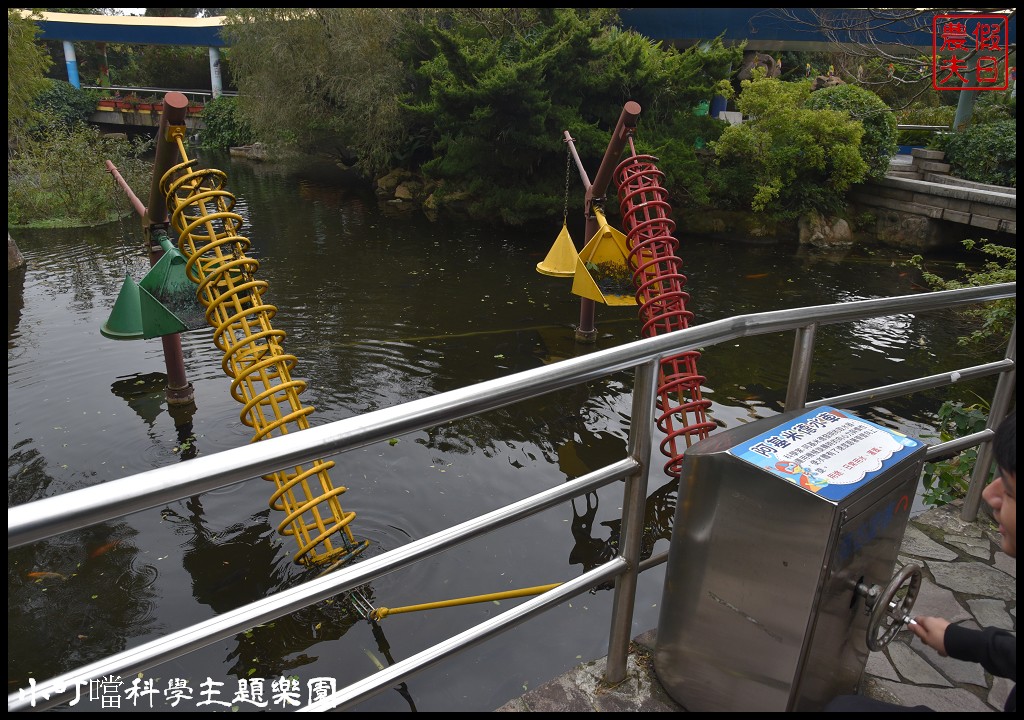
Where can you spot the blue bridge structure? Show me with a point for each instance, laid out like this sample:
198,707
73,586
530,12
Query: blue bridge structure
896,31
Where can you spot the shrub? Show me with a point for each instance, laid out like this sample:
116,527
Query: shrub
947,480
225,126
984,153
994,106
787,159
59,173
879,141
990,324
990,327
65,104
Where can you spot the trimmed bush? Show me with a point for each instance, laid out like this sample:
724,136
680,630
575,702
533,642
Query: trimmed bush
984,153
879,141
787,159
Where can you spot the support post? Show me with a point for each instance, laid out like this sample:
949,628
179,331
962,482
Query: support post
967,99
1006,390
179,389
215,79
586,331
72,64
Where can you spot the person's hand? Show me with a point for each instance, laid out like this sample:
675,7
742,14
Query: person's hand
932,631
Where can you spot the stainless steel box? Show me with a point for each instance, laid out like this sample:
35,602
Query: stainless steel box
777,522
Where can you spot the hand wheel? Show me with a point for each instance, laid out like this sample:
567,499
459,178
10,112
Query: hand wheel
892,609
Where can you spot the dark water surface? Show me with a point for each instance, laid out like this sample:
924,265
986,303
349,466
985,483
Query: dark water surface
382,307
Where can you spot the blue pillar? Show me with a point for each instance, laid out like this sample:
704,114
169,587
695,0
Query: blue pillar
72,62
215,81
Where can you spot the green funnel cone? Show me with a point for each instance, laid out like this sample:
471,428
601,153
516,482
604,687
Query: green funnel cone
157,320
168,285
125,321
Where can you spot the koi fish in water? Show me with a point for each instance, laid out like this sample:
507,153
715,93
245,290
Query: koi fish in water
756,276
103,549
45,576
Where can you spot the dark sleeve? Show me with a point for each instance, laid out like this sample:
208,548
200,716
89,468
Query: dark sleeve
994,649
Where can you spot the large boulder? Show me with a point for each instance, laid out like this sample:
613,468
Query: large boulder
820,231
14,256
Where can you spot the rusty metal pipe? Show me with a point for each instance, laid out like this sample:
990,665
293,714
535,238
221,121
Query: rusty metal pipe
623,129
179,390
175,109
576,158
586,331
140,209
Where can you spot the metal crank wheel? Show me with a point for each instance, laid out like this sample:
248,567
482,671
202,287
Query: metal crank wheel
892,609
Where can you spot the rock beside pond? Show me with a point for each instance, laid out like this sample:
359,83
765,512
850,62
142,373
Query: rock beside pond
821,231
14,256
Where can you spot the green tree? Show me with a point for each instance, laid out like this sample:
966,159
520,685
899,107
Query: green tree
477,99
669,85
27,63
323,78
787,159
495,106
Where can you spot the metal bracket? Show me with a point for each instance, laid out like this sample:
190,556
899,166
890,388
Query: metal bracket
363,607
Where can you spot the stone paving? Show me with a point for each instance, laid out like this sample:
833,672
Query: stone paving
967,578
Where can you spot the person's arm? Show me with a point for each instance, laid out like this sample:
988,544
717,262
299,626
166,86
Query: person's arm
932,631
993,648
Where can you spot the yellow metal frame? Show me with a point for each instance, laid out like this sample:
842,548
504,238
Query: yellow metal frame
201,212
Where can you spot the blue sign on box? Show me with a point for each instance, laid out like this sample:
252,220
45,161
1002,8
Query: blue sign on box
827,451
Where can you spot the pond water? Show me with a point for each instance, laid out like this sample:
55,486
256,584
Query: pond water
382,307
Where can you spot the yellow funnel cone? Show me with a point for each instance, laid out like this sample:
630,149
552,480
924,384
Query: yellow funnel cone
602,269
561,258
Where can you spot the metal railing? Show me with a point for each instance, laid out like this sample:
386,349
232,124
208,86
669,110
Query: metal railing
196,96
52,516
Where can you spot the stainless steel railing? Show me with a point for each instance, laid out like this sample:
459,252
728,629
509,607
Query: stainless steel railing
52,516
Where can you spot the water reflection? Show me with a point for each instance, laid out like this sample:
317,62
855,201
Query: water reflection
15,300
146,395
95,591
382,308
